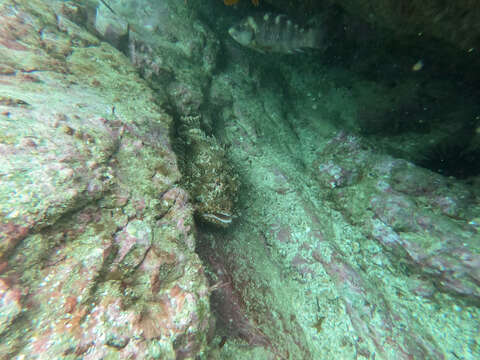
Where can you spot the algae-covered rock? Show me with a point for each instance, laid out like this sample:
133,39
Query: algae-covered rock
177,59
342,251
96,240
111,27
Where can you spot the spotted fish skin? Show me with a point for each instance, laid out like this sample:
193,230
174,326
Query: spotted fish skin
274,33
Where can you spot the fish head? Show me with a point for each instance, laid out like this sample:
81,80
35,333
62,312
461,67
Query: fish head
243,33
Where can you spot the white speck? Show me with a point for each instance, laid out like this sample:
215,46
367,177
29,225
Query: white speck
13,214
314,106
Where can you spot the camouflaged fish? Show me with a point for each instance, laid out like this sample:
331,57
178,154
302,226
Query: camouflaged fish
274,33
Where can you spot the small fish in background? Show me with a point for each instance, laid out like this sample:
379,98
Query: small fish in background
275,33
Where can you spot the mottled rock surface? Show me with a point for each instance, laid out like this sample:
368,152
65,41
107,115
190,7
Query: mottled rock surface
336,250
342,252
96,240
177,54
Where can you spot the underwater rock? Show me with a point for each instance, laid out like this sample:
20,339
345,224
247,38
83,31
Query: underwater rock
162,41
187,99
420,217
334,171
384,259
96,240
342,252
179,65
111,27
75,12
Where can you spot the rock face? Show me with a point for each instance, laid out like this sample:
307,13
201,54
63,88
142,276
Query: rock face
96,240
342,252
178,58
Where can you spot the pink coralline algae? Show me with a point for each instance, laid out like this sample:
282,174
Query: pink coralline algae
10,304
408,204
96,243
